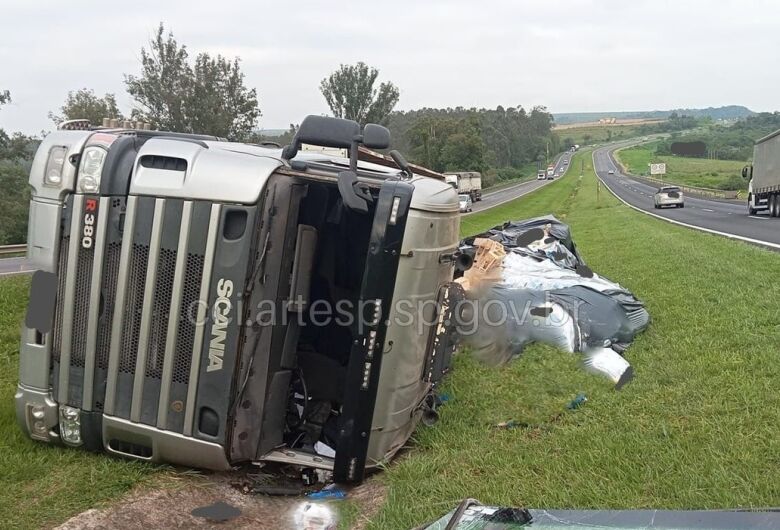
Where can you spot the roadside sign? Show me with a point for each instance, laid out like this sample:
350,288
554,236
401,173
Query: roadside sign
658,169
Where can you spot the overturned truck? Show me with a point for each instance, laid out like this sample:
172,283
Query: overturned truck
180,310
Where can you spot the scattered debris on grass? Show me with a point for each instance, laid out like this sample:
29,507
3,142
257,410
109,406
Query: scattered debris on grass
577,402
528,283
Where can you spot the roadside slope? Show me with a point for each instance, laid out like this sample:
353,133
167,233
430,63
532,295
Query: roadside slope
697,428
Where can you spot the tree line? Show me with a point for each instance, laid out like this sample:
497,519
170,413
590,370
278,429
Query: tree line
207,94
475,139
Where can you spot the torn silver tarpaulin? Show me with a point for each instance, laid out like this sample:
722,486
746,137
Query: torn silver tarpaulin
530,284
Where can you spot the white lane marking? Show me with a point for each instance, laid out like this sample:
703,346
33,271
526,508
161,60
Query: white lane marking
508,200
694,227
759,218
707,210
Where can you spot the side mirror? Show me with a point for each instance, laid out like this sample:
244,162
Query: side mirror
746,172
376,137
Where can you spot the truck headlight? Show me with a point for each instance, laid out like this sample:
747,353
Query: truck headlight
70,425
55,163
36,421
90,169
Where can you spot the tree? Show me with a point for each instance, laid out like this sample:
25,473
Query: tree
5,97
209,97
84,104
350,94
14,202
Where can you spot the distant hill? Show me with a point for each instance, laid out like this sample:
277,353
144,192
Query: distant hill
271,132
729,112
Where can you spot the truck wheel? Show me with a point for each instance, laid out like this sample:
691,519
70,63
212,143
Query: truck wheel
772,203
751,210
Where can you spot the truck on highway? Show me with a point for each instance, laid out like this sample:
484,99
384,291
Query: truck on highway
171,317
468,182
551,170
764,176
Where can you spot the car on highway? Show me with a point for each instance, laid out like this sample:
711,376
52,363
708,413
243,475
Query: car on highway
611,172
551,177
464,200
541,175
669,196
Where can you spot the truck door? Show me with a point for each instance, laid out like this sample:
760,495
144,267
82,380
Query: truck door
363,371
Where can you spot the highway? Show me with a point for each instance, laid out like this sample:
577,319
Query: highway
494,198
726,218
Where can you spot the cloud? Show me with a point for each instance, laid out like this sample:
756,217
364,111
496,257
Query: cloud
569,55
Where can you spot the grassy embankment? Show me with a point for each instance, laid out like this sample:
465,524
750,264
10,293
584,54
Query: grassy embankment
698,172
697,428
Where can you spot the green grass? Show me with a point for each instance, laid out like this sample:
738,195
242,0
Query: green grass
39,484
699,427
698,172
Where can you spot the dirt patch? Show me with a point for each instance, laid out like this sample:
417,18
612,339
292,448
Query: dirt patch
171,507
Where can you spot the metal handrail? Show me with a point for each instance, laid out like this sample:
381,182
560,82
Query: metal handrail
13,249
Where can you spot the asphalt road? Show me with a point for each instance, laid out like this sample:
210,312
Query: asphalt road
727,218
494,198
9,266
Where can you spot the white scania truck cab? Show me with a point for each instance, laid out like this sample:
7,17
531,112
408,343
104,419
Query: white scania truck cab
172,318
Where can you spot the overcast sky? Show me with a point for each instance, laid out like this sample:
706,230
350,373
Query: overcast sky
569,55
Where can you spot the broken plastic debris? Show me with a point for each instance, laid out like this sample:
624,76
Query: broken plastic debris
324,450
577,402
329,492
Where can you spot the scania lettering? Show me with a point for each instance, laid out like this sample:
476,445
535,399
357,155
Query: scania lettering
221,314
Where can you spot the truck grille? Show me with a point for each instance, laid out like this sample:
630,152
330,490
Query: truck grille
129,320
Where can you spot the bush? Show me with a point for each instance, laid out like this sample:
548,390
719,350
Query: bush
734,183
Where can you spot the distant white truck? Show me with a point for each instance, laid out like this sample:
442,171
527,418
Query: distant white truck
468,182
764,176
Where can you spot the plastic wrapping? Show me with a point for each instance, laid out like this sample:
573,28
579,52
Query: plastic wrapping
542,291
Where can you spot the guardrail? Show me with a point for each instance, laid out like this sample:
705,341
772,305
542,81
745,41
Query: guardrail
13,249
704,192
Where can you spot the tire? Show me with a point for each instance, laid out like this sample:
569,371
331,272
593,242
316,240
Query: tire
751,210
772,203
682,206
